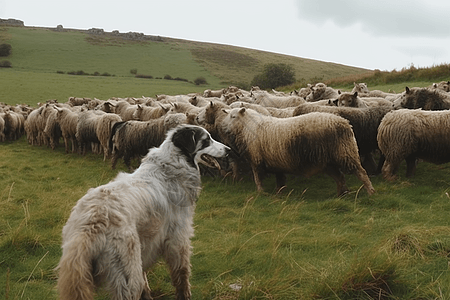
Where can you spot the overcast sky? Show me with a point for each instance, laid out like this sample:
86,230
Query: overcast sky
376,34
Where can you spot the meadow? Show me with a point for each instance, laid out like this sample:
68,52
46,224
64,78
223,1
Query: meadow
305,243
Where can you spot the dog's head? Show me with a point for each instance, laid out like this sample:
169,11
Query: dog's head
197,145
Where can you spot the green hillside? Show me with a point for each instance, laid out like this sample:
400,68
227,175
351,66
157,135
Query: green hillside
39,53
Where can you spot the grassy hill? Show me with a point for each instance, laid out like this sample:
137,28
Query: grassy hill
39,53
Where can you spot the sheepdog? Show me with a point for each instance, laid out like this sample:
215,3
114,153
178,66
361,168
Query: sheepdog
117,231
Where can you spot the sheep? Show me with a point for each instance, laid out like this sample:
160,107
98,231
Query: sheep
443,85
351,100
360,88
322,92
268,100
302,145
425,98
413,134
261,109
75,101
125,110
103,131
68,120
31,126
281,112
212,93
364,121
52,130
181,107
146,113
133,139
86,130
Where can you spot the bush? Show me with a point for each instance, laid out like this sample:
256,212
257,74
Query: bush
274,75
60,72
200,80
5,64
133,71
5,49
143,76
168,77
180,79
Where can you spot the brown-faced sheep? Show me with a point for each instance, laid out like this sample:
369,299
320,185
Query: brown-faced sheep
443,85
351,100
364,121
413,134
303,145
425,98
360,88
322,92
68,120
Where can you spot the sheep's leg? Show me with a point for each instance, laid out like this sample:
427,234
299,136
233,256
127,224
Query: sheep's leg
380,163
257,177
334,172
362,176
410,166
390,169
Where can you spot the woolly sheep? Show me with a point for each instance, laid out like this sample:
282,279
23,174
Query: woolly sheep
68,120
365,124
302,145
425,98
443,85
268,100
360,88
322,92
86,130
103,131
146,113
411,134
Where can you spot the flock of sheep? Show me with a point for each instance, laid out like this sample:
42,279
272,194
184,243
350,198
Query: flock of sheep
315,129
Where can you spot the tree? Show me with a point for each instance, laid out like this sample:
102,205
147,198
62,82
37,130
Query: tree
5,49
274,75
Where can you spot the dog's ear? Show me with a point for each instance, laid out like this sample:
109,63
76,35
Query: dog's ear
185,140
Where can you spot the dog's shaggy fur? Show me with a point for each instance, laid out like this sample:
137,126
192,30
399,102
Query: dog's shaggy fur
118,230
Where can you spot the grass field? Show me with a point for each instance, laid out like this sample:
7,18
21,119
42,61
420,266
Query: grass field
303,244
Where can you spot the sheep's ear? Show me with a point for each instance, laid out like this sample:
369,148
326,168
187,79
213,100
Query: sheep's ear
335,102
211,103
339,92
227,111
355,94
242,111
407,90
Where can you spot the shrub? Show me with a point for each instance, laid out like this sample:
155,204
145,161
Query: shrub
133,71
5,64
200,80
5,49
143,76
96,74
274,75
106,74
60,72
168,77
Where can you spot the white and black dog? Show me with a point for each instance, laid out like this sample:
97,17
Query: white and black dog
118,230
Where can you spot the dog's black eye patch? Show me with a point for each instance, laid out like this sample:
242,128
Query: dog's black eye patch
205,143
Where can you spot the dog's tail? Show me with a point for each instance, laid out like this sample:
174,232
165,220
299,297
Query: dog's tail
76,270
